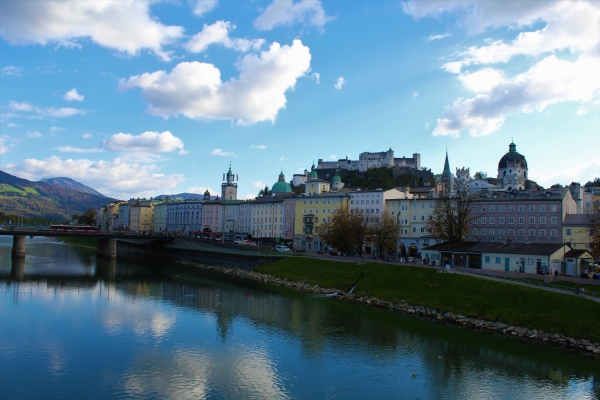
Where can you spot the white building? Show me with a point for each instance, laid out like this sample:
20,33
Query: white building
368,160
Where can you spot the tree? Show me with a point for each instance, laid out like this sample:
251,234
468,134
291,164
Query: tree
481,175
264,192
451,217
87,218
383,231
345,231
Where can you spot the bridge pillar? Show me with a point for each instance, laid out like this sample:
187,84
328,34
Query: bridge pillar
18,249
106,268
107,248
17,270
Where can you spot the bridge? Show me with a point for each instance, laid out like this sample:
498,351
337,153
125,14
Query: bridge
107,242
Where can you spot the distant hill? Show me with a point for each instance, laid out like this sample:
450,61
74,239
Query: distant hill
182,196
69,183
41,200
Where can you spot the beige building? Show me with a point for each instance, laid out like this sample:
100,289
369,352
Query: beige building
141,215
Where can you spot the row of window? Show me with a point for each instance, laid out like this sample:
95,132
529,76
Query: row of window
511,232
511,220
324,201
520,208
373,201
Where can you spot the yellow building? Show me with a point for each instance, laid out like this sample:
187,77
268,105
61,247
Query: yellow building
576,231
311,212
141,214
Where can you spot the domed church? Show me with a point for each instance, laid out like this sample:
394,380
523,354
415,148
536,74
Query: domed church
512,169
281,186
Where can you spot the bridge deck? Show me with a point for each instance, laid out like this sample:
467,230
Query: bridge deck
87,235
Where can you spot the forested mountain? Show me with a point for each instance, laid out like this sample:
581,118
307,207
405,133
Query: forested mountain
41,200
69,183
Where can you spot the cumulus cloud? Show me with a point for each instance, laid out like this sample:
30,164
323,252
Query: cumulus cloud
260,147
549,82
201,7
72,95
195,89
316,77
56,129
5,144
115,178
23,108
283,158
71,149
340,82
146,142
11,125
200,190
34,134
86,135
482,80
123,25
258,185
333,157
286,12
437,37
218,34
220,152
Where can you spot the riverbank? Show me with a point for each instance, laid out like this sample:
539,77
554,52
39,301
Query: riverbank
536,315
88,243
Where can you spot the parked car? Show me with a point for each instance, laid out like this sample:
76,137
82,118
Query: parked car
239,242
281,248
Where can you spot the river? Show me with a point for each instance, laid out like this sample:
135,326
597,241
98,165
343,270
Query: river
72,327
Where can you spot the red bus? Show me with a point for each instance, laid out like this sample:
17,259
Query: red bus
70,229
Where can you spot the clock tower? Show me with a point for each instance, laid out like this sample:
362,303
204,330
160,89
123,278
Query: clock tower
229,187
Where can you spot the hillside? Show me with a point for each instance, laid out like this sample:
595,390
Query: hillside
69,183
41,200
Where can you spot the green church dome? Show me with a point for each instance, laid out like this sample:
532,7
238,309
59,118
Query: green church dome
281,186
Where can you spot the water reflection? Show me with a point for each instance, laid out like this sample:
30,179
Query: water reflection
156,331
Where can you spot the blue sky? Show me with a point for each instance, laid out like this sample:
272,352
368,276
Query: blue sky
145,98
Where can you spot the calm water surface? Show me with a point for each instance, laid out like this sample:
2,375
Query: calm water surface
72,327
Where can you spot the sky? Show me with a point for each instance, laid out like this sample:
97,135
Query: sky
141,98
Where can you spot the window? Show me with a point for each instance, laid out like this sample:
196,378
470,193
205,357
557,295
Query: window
500,208
475,232
511,220
423,230
476,220
500,220
532,220
491,220
414,217
511,208
414,229
475,209
521,220
521,208
553,220
553,208
531,208
511,232
500,232
487,259
498,260
542,220
482,232
491,208
568,231
542,233
531,233
490,232
483,220
542,208
521,232
553,232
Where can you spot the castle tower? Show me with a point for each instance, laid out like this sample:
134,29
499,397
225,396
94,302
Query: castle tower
229,187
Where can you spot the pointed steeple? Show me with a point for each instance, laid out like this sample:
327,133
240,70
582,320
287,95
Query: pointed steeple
446,166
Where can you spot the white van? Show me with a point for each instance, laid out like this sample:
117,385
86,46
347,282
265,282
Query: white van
282,248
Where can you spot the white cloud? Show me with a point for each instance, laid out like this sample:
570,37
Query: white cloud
340,82
5,146
437,37
145,142
11,70
482,80
25,107
56,129
549,82
71,149
333,157
195,89
72,95
283,158
218,33
286,12
316,77
581,110
200,190
260,147
415,94
258,185
201,7
220,152
11,125
250,197
86,135
123,25
114,178
35,134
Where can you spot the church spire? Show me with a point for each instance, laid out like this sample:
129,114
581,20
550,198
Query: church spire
446,166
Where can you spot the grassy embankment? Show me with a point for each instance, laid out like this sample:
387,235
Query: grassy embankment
474,297
80,241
